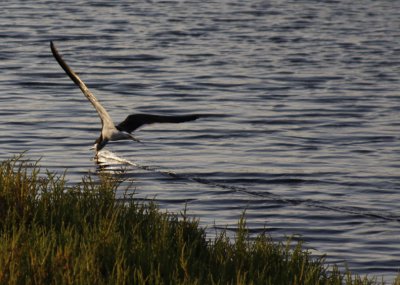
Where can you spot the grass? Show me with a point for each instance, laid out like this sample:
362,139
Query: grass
54,234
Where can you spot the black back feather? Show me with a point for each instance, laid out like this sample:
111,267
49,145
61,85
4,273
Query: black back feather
135,121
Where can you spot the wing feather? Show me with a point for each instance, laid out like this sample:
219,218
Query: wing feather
135,121
104,116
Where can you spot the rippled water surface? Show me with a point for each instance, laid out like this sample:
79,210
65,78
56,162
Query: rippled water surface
310,89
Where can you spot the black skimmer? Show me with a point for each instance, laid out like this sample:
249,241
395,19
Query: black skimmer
122,131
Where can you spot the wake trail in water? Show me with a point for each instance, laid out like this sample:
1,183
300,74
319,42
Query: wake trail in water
358,211
277,198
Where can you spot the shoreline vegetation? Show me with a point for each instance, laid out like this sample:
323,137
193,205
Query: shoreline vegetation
51,233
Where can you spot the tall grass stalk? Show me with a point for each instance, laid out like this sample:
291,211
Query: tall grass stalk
54,234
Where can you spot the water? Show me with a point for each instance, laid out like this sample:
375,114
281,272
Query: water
309,146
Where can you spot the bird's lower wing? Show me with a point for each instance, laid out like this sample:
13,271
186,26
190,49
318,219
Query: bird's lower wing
104,116
135,121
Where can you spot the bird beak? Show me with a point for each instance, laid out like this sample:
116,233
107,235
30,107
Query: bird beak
135,139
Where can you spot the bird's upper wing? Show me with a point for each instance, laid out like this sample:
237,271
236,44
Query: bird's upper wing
104,116
132,122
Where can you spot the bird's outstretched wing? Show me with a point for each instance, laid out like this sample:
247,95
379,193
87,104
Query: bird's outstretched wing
135,121
104,116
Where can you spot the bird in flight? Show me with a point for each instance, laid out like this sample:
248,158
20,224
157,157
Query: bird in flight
122,131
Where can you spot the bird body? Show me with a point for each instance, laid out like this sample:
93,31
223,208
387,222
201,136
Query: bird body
122,131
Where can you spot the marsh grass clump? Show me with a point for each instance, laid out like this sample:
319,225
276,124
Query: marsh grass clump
54,234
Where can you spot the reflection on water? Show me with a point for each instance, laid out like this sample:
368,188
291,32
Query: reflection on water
311,143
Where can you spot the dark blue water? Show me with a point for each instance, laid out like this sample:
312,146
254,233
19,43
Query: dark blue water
310,144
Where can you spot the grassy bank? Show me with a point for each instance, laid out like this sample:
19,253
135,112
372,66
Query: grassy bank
53,234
